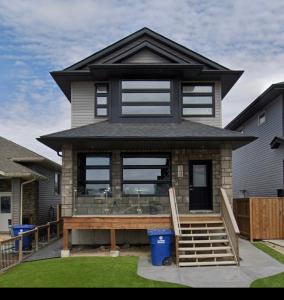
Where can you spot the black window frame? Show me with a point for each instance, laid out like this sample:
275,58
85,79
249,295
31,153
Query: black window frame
145,155
194,94
82,170
98,94
149,103
57,183
10,204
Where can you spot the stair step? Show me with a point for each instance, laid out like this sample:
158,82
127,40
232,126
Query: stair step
204,241
209,263
203,234
202,228
204,248
201,222
206,255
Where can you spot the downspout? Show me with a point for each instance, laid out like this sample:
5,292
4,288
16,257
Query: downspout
22,196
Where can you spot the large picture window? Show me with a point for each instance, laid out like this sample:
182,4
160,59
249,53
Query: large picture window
146,174
145,97
94,174
198,100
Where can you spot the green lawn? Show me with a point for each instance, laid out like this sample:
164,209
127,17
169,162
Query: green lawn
276,281
80,272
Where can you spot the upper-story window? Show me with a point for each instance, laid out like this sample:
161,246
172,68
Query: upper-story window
101,100
198,100
262,118
145,97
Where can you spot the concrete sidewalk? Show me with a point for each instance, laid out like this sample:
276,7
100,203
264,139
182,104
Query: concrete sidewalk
254,264
53,250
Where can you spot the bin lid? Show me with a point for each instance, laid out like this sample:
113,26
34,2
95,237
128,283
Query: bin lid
152,232
24,226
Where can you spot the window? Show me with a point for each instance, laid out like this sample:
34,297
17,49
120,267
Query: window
197,100
145,97
146,174
262,118
5,204
94,174
101,103
57,183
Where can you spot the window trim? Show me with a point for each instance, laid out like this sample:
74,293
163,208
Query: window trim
107,95
145,155
262,114
151,103
213,105
84,181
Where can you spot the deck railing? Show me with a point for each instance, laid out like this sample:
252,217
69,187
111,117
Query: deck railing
16,249
230,223
175,219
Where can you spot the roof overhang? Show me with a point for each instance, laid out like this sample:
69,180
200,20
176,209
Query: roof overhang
258,104
102,72
145,142
23,175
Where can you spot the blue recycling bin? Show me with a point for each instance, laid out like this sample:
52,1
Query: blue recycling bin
27,240
161,245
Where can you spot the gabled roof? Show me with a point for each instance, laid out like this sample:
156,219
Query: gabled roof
258,104
168,56
107,131
145,32
13,157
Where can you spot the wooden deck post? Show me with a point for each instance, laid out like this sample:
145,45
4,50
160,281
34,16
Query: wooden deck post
113,239
66,239
36,239
21,248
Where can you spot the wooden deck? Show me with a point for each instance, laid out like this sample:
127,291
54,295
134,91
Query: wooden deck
119,222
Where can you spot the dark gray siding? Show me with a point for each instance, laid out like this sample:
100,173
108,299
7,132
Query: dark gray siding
145,56
47,197
257,168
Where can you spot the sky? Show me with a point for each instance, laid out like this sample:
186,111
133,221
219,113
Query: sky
39,36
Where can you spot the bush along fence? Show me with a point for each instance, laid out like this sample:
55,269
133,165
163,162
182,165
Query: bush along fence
16,249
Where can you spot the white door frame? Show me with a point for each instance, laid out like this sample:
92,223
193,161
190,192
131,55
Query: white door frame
5,217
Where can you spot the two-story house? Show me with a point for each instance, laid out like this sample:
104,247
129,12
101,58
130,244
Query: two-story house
258,167
146,116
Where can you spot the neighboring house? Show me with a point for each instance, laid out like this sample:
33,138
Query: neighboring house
146,116
258,167
29,186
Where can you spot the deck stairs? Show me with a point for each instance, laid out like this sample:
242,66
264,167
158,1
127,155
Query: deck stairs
204,241
201,239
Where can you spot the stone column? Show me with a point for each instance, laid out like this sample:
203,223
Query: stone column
226,170
67,181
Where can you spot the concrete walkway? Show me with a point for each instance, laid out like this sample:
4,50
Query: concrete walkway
53,250
254,264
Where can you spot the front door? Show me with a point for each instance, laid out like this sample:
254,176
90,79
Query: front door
200,185
5,211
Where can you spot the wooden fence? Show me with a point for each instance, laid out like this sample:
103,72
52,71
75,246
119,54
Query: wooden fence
260,218
16,249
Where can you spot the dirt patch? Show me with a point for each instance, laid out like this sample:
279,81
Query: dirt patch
125,250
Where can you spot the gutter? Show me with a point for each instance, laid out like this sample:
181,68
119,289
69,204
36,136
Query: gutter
22,196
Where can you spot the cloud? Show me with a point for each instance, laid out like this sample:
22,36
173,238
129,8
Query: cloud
39,36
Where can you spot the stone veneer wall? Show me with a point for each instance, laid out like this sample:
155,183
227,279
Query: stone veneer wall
222,176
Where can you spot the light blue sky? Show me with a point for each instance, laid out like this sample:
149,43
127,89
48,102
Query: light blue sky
39,36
